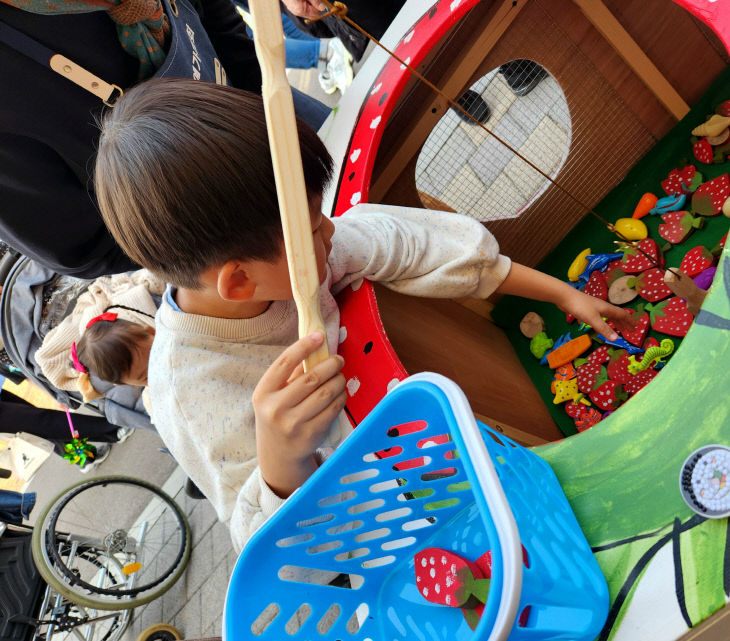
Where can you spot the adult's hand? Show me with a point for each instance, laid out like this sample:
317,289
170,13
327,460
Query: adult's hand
305,8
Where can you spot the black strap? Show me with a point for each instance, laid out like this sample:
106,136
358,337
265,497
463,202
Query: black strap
25,44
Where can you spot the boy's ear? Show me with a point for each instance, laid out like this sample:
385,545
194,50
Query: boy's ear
234,283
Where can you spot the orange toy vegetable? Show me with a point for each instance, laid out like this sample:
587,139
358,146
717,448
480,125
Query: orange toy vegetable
566,353
645,205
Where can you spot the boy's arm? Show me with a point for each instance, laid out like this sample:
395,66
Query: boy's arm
530,283
417,252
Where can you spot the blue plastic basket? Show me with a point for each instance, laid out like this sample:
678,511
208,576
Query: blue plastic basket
336,561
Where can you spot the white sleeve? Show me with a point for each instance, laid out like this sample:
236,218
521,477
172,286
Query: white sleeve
419,252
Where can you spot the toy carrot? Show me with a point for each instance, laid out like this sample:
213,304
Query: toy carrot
570,350
645,205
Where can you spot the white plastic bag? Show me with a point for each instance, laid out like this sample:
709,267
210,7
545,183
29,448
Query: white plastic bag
22,454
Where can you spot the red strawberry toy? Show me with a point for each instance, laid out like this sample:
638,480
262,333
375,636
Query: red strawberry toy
709,197
723,108
590,376
650,285
670,316
445,578
608,395
697,260
637,335
618,365
596,286
703,151
641,258
681,182
639,381
613,271
679,225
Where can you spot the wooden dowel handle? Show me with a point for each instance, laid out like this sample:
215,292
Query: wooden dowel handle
287,161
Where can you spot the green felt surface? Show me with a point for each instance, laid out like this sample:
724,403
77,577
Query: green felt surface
673,151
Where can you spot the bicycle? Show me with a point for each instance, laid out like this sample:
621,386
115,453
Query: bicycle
102,547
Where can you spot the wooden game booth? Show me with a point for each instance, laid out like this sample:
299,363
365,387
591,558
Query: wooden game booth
630,71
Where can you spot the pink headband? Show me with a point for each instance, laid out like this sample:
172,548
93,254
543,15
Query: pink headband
75,358
106,316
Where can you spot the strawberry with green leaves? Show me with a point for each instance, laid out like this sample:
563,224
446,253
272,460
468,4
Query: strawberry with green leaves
697,260
682,181
703,151
637,335
638,259
650,285
596,286
709,197
618,365
445,578
608,396
639,381
591,373
679,225
670,316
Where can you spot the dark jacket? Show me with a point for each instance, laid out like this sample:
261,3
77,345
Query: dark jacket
48,132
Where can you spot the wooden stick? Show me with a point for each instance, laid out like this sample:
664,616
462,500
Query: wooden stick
287,161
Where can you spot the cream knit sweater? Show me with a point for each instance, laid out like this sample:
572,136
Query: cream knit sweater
133,289
203,370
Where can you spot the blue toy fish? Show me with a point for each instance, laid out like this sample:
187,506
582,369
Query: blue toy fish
623,343
596,262
675,202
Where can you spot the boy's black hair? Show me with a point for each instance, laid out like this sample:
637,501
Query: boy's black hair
184,178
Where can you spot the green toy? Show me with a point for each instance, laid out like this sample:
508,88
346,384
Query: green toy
539,344
653,354
77,451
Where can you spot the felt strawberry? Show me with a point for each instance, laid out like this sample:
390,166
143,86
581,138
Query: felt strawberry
591,375
613,271
574,410
670,316
641,258
697,260
639,381
637,335
596,286
618,365
709,197
703,151
650,342
608,395
650,285
445,578
678,225
682,181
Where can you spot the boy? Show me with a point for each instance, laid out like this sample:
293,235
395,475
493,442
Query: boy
185,185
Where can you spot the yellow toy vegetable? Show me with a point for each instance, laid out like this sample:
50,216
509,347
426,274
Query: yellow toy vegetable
631,228
713,127
577,267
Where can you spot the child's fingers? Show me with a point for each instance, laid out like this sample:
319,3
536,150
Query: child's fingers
305,385
282,369
319,423
320,398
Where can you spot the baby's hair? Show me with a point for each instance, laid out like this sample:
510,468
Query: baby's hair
184,178
107,348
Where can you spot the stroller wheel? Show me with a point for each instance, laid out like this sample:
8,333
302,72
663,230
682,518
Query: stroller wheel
160,632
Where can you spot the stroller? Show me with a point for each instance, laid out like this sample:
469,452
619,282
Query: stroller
34,300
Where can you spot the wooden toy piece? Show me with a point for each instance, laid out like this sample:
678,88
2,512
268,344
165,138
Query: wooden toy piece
669,203
592,373
703,151
714,126
631,228
679,225
697,260
720,139
531,325
684,287
619,293
578,265
539,344
587,419
704,279
288,173
566,353
618,365
726,208
723,108
650,285
596,262
645,205
710,196
638,334
651,356
562,373
682,181
445,578
670,316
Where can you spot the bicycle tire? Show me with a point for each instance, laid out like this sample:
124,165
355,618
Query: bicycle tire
60,577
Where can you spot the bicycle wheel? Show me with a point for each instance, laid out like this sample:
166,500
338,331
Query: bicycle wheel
126,520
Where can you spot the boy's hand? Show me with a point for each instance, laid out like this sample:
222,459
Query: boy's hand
592,311
305,8
294,411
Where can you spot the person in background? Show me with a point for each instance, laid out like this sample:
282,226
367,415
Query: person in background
328,55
